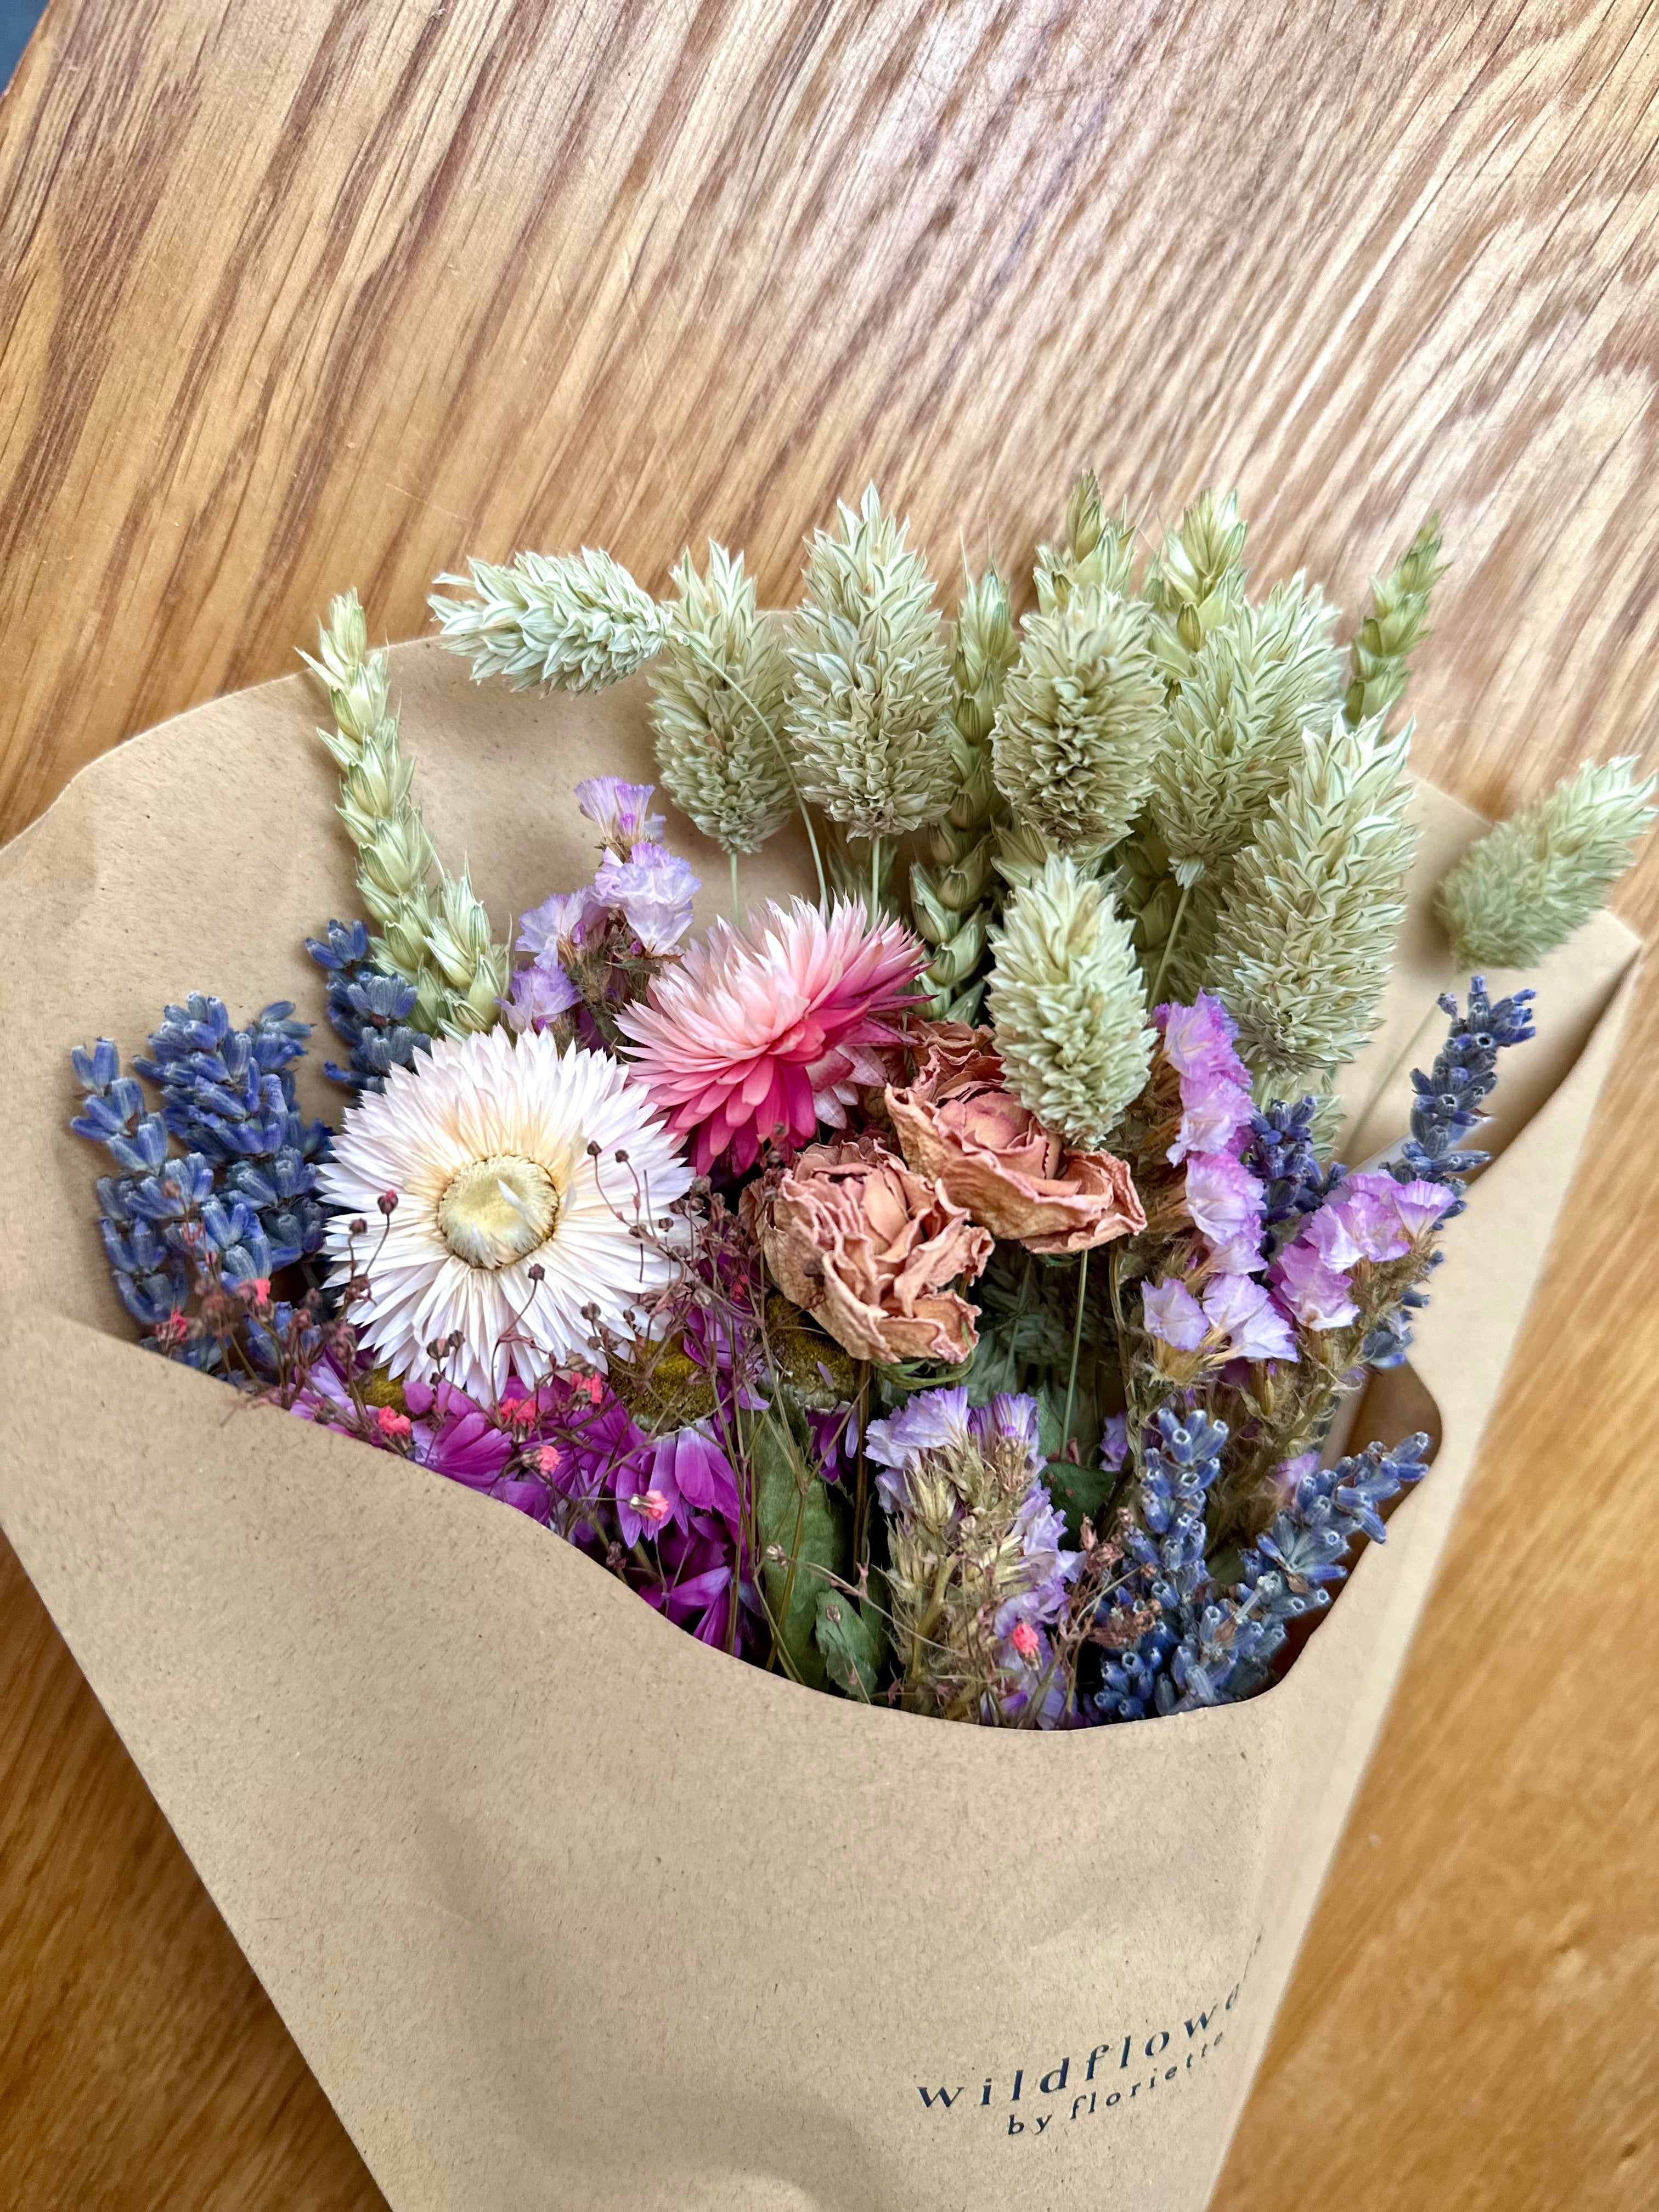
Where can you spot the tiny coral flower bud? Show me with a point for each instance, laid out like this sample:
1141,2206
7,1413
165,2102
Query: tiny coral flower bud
651,1506
394,1426
548,1460
1025,1640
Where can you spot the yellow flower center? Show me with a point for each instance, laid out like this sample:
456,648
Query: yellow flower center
496,1211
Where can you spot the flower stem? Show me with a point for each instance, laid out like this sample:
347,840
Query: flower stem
737,895
1076,1345
875,881
1169,945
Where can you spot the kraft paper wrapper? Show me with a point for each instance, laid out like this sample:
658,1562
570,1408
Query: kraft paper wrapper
563,1909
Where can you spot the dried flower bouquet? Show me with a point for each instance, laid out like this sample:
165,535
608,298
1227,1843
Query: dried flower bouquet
942,1293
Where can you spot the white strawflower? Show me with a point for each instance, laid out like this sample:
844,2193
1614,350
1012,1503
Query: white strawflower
488,1144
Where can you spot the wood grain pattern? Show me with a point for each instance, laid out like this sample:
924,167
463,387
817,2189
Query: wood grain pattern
334,291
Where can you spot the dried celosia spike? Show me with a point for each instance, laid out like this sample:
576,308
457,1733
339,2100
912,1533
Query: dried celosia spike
869,716
950,898
1307,929
1068,1004
1078,727
1195,581
1394,628
1099,550
576,620
719,689
1524,887
449,954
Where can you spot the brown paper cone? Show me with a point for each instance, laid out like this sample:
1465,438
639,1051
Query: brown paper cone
563,1909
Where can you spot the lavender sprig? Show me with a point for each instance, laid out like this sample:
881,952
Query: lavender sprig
369,1010
1450,1097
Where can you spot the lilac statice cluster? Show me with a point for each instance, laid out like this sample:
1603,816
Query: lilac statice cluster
1448,1098
1212,1307
238,1203
596,948
1173,1639
367,1009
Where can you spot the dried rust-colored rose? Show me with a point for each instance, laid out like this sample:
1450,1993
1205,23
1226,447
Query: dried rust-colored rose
960,1124
868,1246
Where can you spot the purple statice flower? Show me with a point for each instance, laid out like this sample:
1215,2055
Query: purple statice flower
1235,1319
1224,1200
1114,1443
1252,1325
654,890
943,1420
565,921
1310,1290
538,994
1216,1107
1173,1315
620,811
1358,1222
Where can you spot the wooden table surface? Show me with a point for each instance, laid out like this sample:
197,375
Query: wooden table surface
300,294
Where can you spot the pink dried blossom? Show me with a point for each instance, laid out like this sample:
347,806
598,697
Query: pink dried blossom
752,1038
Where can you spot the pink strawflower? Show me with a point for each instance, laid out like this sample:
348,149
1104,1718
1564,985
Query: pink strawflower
1313,1292
1224,1201
749,1039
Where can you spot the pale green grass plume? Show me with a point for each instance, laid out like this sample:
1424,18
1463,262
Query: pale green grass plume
1195,581
1068,1004
1397,623
869,716
577,621
1080,721
1306,935
435,936
1529,884
719,689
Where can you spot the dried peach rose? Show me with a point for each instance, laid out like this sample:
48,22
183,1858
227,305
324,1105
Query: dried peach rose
868,1246
959,1124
